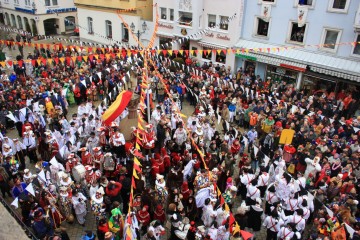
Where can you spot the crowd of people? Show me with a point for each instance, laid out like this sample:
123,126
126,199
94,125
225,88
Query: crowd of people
198,177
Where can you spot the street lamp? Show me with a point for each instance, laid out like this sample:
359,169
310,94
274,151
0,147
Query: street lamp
138,33
34,7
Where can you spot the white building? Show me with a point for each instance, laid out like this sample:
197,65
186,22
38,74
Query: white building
187,18
47,17
306,42
100,22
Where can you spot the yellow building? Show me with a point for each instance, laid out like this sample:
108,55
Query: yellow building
99,21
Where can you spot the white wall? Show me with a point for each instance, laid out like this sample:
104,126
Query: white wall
319,17
99,29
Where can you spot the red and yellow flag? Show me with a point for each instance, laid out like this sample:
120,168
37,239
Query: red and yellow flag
117,107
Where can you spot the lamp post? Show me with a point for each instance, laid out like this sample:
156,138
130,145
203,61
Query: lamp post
34,7
138,34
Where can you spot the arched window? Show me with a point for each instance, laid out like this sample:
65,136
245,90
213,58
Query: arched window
13,21
20,22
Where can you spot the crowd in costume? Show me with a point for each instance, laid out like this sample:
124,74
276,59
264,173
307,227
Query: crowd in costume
197,180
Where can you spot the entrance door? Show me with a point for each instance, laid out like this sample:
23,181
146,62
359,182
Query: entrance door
50,26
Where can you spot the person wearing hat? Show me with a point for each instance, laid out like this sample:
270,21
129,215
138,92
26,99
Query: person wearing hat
312,167
30,144
92,142
79,205
97,204
117,142
143,217
116,224
254,215
20,152
40,225
98,158
160,188
149,138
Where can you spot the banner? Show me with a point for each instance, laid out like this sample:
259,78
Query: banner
302,15
117,107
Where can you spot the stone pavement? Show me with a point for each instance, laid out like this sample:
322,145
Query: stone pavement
10,228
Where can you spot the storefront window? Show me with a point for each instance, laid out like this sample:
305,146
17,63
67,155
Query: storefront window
207,53
250,66
279,74
164,43
220,57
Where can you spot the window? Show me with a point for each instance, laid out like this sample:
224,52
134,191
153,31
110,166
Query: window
19,22
16,2
108,27
211,20
330,38
305,2
164,43
13,20
125,33
262,27
90,25
47,2
185,18
357,46
69,23
194,53
207,53
297,33
171,14
224,23
220,57
163,13
55,2
266,1
27,2
338,5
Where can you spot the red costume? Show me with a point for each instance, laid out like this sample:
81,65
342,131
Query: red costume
91,175
155,168
159,214
160,162
235,147
54,148
289,150
143,216
27,127
185,191
98,158
86,158
149,139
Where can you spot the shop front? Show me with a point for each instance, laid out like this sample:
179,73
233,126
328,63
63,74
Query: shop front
279,74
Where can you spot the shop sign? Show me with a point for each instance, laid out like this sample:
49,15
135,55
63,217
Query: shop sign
168,26
246,57
299,69
218,36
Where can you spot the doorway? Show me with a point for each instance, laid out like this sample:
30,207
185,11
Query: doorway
51,26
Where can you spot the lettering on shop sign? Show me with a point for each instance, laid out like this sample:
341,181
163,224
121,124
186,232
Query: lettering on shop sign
218,36
166,26
223,37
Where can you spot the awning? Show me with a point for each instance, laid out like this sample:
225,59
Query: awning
318,62
272,61
212,45
165,35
